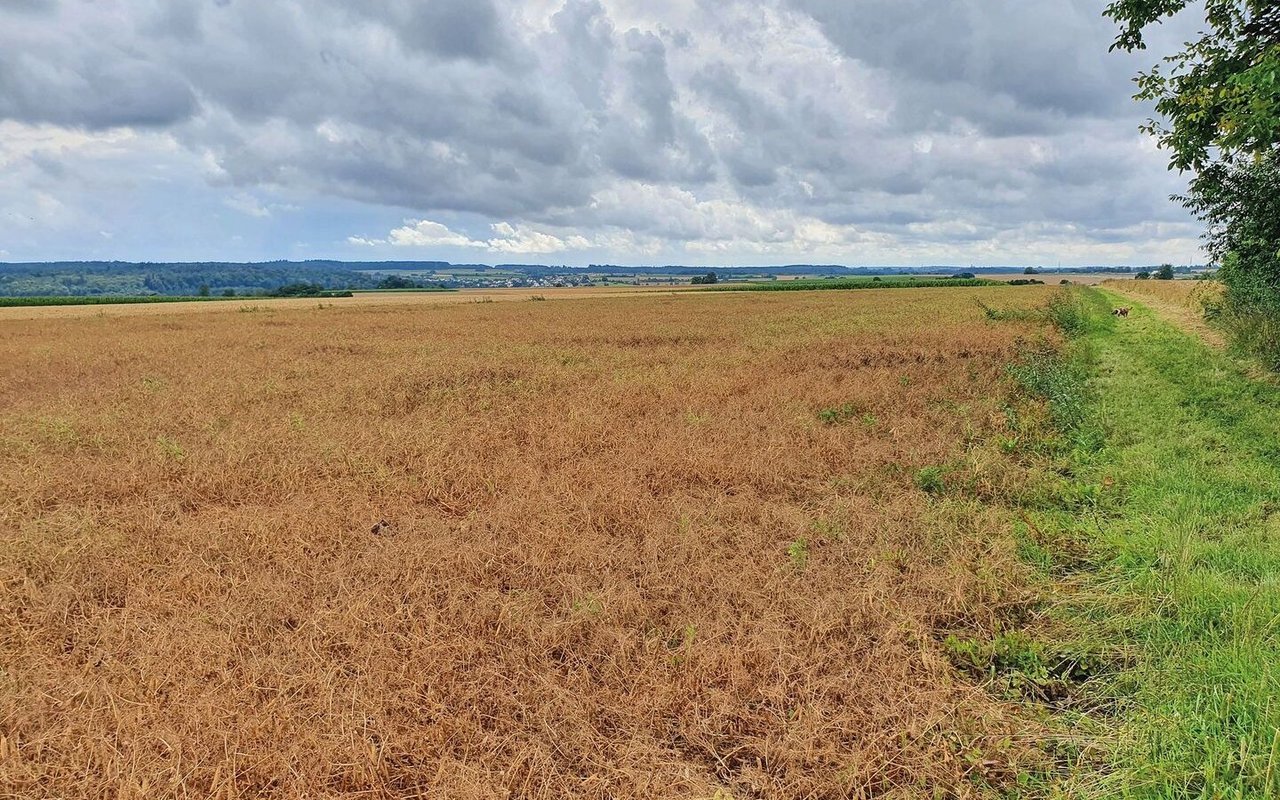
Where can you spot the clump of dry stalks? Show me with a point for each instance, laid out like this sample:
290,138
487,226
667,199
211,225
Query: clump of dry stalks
599,548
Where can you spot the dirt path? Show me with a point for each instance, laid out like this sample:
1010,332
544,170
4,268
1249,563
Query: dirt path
1185,570
1178,304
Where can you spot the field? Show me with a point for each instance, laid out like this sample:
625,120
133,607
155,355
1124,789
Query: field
908,543
662,545
169,307
97,300
1188,294
890,282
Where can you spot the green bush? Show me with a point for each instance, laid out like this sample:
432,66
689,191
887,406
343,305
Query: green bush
932,480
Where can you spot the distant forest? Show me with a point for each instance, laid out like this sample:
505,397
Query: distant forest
88,278
80,278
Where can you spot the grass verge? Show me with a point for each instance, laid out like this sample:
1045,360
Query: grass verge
1175,586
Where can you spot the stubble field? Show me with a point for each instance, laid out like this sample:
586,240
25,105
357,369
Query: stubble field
647,546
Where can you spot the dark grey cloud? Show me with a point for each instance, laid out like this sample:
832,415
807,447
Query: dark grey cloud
1008,65
454,29
14,7
773,124
71,76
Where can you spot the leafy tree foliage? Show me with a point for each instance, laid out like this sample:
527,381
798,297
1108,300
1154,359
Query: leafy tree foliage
1240,200
397,282
1220,95
305,289
1220,102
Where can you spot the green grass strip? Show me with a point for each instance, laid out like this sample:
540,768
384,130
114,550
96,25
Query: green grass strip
1186,576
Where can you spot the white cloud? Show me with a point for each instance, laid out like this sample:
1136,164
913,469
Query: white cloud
521,239
508,238
425,233
866,131
246,203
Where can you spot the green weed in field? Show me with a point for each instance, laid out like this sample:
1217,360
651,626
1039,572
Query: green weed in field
839,414
798,553
931,480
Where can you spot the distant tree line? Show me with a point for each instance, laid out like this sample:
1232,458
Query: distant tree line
83,279
1164,273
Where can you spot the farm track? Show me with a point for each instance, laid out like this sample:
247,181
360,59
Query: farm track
1179,302
1179,583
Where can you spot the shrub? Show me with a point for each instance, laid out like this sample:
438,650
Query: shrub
931,480
1250,309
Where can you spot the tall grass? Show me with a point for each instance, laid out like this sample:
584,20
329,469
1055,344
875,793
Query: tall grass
1253,329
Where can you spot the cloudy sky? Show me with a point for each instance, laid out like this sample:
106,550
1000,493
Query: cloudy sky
579,131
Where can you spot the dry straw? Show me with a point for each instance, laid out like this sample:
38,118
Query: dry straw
599,548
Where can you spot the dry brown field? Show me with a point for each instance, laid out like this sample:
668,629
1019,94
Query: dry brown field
1186,293
601,548
1055,278
360,299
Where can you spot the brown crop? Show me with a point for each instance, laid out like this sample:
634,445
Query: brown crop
1189,294
607,547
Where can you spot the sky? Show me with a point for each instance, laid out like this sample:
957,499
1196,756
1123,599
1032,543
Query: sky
716,132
